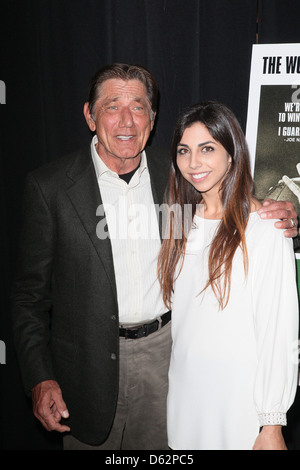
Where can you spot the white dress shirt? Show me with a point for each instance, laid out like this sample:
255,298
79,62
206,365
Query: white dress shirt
132,227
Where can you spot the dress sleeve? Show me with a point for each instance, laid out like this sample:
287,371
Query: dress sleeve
276,325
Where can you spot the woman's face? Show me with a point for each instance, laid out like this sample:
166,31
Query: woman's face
202,160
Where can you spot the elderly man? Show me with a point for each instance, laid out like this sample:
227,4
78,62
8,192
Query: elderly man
91,330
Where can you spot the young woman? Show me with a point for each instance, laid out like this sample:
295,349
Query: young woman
231,283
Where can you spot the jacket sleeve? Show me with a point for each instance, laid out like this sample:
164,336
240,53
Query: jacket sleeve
31,291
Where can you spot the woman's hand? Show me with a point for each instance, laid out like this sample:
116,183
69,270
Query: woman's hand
270,438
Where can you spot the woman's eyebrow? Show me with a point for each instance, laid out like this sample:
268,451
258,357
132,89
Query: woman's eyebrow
199,145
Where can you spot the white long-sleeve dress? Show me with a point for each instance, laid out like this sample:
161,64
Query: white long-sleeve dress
236,369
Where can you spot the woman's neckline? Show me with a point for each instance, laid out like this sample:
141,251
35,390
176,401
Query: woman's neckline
218,220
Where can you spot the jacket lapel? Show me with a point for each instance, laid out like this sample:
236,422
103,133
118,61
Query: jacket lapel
158,178
85,197
158,164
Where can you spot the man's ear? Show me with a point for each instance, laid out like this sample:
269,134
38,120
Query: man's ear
88,117
152,117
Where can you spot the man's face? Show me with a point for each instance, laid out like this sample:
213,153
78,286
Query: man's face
121,120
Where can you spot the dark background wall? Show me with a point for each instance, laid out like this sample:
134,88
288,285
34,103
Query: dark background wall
196,49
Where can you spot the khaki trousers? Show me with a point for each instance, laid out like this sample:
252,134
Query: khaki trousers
140,419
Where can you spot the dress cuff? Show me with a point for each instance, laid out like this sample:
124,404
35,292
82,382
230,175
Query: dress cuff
272,419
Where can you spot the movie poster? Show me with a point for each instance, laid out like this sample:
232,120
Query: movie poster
273,121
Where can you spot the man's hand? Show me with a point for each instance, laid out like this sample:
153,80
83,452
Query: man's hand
270,438
283,210
49,406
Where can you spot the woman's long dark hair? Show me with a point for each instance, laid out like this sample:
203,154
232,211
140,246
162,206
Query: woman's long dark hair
235,192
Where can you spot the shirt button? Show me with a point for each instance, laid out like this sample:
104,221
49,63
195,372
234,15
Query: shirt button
113,317
113,356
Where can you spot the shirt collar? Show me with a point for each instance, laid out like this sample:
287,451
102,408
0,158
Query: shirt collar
101,168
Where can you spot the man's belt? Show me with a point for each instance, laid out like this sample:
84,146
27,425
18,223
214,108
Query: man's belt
147,329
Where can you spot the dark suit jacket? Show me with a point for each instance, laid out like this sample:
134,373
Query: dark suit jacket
65,311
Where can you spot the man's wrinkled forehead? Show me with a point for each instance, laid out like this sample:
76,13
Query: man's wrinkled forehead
128,91
116,89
